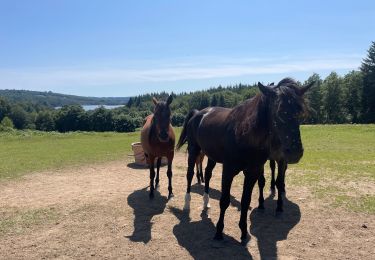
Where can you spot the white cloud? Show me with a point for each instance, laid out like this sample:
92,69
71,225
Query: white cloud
194,69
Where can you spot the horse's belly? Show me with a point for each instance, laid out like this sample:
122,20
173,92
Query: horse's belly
212,145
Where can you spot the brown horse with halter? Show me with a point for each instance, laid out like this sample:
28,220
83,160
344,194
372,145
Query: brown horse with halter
158,139
242,139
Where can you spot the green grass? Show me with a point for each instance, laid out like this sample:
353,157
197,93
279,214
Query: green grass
23,152
338,165
29,151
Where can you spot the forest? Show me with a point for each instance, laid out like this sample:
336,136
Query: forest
333,100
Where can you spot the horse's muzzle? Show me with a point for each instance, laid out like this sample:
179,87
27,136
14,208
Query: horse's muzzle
293,156
163,137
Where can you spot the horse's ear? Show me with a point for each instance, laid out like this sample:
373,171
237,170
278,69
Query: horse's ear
266,90
272,84
155,101
169,100
306,88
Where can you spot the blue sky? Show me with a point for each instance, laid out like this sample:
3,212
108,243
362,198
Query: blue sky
126,48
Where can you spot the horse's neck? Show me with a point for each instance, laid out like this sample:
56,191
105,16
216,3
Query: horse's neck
252,122
152,130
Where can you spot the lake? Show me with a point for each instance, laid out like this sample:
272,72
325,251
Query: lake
92,107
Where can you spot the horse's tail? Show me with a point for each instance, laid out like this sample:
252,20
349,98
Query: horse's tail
183,136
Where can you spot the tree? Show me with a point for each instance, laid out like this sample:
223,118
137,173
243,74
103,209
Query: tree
7,122
18,116
333,99
130,102
4,108
101,120
204,100
368,96
314,97
221,101
353,82
177,119
44,121
71,118
124,123
214,101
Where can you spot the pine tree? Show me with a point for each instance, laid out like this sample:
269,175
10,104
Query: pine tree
221,101
368,96
214,101
130,102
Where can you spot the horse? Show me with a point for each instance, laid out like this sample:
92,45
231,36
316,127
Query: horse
158,140
242,139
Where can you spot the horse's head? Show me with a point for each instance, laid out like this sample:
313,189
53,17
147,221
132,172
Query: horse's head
162,118
287,107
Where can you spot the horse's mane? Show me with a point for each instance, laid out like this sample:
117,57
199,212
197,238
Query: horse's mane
152,131
289,87
253,114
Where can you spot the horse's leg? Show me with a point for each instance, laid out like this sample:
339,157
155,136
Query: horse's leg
280,184
197,170
207,175
261,184
193,153
226,183
158,164
273,182
169,174
201,170
152,175
251,176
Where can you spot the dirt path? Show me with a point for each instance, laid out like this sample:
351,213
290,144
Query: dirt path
103,211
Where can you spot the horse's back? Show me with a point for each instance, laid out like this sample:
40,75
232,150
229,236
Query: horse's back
212,130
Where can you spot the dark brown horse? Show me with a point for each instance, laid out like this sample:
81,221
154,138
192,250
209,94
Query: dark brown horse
242,139
158,139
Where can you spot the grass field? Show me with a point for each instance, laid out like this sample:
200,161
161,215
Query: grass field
338,164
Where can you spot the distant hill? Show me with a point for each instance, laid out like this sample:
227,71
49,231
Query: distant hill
52,99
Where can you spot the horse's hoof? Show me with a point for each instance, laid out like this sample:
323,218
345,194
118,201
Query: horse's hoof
219,236
273,192
283,195
157,187
151,195
170,196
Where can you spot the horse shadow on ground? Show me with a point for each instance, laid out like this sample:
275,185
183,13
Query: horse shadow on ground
137,166
144,210
197,238
269,229
215,194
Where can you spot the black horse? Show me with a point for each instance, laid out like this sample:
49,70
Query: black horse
242,139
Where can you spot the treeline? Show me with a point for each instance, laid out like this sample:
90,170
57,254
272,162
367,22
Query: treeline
51,99
333,100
